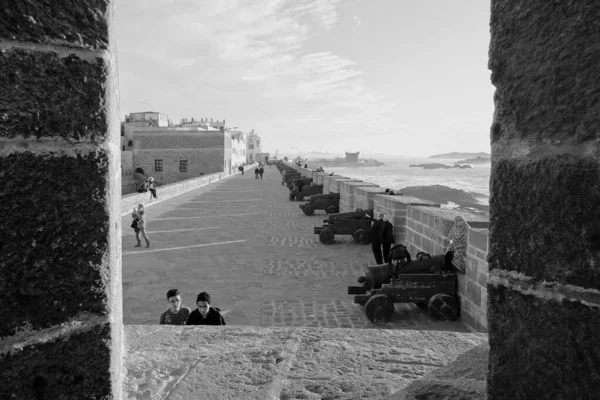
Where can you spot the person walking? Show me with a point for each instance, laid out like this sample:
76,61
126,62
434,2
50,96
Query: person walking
377,237
256,172
205,314
261,171
140,216
388,240
151,188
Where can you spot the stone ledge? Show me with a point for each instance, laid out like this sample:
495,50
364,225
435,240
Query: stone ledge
464,378
185,362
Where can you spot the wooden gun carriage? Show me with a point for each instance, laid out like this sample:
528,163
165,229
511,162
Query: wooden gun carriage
355,223
428,282
307,191
289,176
329,202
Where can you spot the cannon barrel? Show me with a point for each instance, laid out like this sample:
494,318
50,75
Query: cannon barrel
331,218
377,275
433,265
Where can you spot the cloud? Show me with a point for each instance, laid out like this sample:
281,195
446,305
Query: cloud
262,43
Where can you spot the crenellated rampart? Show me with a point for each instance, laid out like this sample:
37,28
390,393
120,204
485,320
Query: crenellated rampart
422,225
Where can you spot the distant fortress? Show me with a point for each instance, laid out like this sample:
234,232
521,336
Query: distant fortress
351,160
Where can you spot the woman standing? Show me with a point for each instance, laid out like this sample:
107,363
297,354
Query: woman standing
140,216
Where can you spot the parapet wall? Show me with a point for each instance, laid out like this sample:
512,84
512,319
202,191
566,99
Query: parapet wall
422,225
173,189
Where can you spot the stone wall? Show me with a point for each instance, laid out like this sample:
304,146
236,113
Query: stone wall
327,183
60,270
473,299
395,210
199,161
347,193
172,190
364,196
544,246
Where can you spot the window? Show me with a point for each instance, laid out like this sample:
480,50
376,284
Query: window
123,147
251,146
183,166
130,143
158,165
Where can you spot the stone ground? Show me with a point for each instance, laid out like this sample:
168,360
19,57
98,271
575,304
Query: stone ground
253,363
254,251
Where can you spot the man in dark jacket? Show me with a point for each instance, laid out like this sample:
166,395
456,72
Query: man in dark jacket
377,237
205,314
388,240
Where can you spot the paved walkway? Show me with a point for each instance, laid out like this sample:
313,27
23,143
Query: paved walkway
254,251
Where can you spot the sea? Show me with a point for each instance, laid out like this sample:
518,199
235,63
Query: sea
396,174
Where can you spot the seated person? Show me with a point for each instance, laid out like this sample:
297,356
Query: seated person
299,184
176,314
205,314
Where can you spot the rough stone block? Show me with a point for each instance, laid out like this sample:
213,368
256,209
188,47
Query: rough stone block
468,319
482,275
541,349
73,367
47,95
474,292
479,238
550,241
419,227
68,22
56,226
472,271
427,245
548,82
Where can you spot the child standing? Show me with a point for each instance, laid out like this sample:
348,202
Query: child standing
176,314
140,216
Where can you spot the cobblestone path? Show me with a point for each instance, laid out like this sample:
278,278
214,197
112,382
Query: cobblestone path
254,251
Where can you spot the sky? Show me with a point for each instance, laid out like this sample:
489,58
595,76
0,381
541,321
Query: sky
398,77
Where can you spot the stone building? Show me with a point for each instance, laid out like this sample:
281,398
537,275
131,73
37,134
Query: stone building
175,154
253,146
238,148
202,123
157,118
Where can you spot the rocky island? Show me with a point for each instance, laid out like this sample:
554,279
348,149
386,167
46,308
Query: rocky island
438,166
456,155
444,194
476,160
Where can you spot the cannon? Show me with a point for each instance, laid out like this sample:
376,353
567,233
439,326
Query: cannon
289,176
294,182
429,282
329,202
307,191
355,223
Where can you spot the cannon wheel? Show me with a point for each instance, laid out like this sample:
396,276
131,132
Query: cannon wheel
326,236
442,307
308,210
379,308
361,236
332,210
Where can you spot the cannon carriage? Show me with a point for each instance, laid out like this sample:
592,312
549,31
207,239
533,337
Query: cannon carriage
307,191
356,223
291,184
288,176
429,282
329,202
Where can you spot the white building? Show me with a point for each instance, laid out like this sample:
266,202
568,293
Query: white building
253,146
159,119
202,123
238,148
